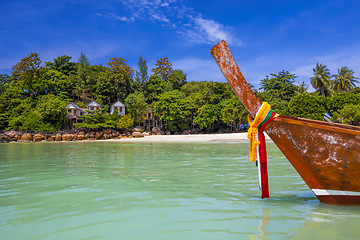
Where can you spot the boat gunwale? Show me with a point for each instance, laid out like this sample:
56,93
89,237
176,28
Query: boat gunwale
319,124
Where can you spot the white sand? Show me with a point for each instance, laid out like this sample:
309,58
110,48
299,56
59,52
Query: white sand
231,137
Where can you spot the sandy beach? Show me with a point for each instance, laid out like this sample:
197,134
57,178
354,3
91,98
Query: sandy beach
230,137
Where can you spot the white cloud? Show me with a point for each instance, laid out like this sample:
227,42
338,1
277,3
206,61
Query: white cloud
116,17
174,15
211,31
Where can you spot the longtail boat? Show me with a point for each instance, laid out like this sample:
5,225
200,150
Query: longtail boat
325,154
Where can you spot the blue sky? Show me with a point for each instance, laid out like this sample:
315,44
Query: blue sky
264,36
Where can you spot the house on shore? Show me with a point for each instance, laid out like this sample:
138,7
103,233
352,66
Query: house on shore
93,106
119,106
73,111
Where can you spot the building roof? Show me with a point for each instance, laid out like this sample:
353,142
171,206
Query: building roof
93,103
118,103
73,105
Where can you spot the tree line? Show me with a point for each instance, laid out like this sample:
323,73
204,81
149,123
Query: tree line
34,95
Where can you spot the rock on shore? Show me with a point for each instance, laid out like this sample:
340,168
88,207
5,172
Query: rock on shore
16,136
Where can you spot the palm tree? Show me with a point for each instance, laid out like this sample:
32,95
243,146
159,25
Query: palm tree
302,88
321,80
344,81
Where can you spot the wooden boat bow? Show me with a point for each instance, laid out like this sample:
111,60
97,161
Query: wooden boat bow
326,155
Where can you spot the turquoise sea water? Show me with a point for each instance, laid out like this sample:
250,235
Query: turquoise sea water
104,190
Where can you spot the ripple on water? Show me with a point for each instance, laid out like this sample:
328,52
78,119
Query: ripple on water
158,191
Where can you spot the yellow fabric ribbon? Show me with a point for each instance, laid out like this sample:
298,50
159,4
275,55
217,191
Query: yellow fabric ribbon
253,130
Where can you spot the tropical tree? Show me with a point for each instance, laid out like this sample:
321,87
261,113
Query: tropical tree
63,65
279,85
345,80
232,111
207,116
340,100
163,68
104,88
141,74
307,106
302,88
278,90
45,114
350,114
177,78
175,109
121,76
321,80
52,82
4,82
83,68
136,105
25,73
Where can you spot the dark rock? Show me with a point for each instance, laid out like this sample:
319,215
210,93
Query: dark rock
4,139
186,132
107,131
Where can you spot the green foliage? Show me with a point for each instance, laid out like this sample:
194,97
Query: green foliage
124,122
121,76
174,108
104,89
345,80
141,75
33,97
24,74
207,115
278,90
280,85
93,120
136,105
45,114
302,88
62,64
177,78
4,82
97,120
307,106
232,111
350,114
163,68
52,82
153,88
321,80
356,90
338,101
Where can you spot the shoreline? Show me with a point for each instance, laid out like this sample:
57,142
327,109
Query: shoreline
137,138
225,137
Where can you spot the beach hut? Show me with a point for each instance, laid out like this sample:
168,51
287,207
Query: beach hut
93,106
73,111
119,106
149,114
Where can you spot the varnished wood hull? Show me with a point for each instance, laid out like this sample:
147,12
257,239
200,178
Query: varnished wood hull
326,155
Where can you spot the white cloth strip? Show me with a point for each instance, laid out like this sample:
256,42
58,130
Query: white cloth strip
322,192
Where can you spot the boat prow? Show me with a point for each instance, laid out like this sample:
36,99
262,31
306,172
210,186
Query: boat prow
325,154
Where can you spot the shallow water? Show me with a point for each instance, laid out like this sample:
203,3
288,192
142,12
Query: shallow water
103,190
